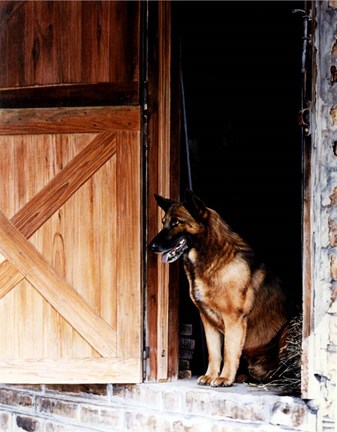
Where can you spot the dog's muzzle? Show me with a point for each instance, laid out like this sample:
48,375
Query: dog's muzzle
171,254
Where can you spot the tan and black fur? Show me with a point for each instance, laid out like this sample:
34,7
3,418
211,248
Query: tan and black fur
242,307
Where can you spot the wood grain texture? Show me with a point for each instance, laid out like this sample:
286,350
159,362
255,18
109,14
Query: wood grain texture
87,189
159,183
79,371
44,204
9,277
175,145
70,95
65,183
128,251
59,42
151,332
163,161
164,141
68,120
54,289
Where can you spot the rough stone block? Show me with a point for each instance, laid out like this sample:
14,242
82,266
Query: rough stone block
90,389
201,404
287,415
142,421
109,417
332,232
333,267
57,407
333,197
333,113
143,394
14,398
172,401
27,424
5,422
192,425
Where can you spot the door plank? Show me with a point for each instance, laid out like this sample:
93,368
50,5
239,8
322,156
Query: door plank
68,120
72,371
55,290
44,204
129,252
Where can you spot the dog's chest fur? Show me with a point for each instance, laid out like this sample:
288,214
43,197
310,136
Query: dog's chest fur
221,288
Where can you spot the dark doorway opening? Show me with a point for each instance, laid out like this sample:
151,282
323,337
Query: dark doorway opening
241,65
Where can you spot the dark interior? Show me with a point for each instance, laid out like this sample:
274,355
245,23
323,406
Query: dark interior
241,64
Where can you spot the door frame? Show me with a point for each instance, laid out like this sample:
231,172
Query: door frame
161,116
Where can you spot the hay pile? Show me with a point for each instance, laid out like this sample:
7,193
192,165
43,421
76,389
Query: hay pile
286,378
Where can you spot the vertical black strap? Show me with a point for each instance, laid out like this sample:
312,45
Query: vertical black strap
188,159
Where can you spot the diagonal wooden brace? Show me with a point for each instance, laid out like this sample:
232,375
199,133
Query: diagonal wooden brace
74,309
45,203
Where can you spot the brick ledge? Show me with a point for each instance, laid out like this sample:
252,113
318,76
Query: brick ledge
180,406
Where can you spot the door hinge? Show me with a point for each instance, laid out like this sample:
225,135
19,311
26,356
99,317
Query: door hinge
146,355
304,118
145,95
145,112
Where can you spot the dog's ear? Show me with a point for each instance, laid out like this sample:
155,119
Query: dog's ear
164,203
195,206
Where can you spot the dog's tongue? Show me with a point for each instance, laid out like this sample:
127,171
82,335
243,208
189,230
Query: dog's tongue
165,257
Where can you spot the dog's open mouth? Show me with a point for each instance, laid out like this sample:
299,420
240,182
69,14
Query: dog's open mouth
173,254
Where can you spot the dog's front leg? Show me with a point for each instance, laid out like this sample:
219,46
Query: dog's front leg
214,346
235,335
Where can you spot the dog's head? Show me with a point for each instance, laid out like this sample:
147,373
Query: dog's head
182,222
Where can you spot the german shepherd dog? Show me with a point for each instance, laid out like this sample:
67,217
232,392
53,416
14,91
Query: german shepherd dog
242,306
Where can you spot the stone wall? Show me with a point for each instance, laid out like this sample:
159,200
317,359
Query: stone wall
323,352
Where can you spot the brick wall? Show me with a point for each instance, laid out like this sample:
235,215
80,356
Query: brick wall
166,407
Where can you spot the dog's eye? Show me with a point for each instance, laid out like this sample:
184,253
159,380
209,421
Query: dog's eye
175,222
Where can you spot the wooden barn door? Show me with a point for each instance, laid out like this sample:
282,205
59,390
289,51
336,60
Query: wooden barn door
70,239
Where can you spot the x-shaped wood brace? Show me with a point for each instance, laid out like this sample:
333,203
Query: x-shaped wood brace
24,261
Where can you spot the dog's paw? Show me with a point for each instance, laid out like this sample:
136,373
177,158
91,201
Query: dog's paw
205,380
221,382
